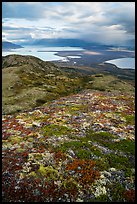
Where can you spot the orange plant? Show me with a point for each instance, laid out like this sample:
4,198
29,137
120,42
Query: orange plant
84,171
130,195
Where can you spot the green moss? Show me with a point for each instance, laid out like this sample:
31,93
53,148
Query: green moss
102,198
105,139
74,108
42,170
83,154
15,139
101,137
125,145
83,149
35,156
30,139
96,151
130,119
102,164
118,162
128,172
38,157
20,150
22,175
51,130
48,171
75,145
117,192
70,184
88,144
33,174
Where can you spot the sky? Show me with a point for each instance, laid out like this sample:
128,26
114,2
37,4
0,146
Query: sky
102,22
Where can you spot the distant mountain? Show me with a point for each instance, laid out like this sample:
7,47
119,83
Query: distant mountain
8,45
63,42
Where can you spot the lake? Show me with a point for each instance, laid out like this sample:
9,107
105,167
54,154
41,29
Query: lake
49,54
46,54
123,63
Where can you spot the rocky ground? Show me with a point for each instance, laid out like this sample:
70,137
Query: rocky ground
78,148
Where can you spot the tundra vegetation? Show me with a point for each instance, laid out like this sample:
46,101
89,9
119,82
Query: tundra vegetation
66,137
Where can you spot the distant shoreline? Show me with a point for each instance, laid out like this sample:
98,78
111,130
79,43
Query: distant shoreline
87,57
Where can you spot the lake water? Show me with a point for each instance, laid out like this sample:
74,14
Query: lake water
46,54
49,54
123,63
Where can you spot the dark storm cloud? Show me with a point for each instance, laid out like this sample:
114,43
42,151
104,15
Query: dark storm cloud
106,22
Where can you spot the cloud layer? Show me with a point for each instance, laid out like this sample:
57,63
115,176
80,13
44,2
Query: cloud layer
104,22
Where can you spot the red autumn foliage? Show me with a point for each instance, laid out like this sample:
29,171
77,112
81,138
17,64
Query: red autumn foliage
58,156
130,195
85,170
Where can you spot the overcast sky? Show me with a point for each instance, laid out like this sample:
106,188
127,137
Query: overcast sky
104,22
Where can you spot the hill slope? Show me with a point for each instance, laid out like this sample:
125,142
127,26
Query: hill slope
29,82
